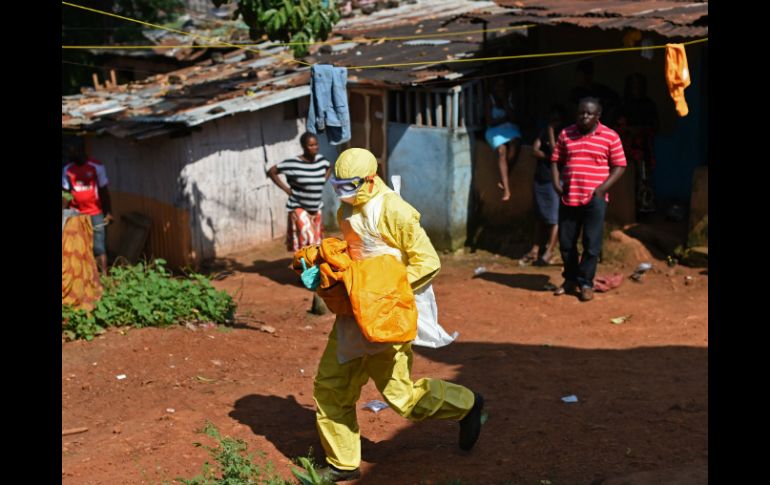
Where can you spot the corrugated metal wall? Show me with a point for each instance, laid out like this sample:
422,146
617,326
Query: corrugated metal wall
216,175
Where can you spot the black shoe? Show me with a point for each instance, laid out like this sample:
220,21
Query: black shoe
337,475
568,287
470,425
586,293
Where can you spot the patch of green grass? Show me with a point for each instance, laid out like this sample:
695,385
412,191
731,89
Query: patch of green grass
148,295
233,465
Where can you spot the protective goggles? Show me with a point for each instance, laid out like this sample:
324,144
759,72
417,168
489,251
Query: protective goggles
347,187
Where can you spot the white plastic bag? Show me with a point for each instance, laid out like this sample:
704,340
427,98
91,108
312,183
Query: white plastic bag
429,332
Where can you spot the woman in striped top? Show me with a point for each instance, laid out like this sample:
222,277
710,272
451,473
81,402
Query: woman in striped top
306,175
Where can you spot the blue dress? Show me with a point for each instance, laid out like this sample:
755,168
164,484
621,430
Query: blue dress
546,198
502,133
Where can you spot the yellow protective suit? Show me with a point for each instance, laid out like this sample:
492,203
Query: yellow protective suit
378,222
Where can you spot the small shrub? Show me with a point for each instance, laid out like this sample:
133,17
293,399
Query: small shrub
147,295
235,466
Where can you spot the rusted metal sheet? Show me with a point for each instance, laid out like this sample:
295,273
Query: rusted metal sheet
670,18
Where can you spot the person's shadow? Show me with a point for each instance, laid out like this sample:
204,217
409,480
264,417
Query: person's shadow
652,401
526,281
286,423
283,421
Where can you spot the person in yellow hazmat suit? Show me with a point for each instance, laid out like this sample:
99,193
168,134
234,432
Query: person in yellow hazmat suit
375,220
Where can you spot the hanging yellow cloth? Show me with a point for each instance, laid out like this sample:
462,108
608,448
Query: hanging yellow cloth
80,284
677,76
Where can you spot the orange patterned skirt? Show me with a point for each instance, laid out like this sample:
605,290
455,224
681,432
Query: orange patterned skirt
303,229
80,283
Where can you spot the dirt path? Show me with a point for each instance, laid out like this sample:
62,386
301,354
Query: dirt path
642,385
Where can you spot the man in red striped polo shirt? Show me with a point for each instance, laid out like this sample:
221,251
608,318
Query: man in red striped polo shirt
593,160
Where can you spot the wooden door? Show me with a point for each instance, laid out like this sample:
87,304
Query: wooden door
368,124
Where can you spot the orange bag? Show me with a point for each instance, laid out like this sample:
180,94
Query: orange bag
375,291
382,299
332,260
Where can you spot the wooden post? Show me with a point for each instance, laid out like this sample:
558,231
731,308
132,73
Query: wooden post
113,78
418,107
97,86
409,106
430,117
385,116
367,123
397,96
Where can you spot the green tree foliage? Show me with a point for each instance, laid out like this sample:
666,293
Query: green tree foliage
292,21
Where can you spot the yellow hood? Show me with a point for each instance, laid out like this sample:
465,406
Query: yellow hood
359,162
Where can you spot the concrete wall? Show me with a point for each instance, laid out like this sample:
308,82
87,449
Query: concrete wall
215,175
435,169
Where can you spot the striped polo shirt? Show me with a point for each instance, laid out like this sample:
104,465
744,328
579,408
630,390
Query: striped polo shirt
587,160
306,181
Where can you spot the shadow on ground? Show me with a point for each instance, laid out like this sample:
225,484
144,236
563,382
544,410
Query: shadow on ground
639,411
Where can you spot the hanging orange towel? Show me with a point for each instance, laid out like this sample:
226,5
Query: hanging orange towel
677,76
80,284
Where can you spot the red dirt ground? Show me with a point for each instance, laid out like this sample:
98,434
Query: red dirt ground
642,385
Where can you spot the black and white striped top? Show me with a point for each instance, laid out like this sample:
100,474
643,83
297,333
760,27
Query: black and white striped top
306,181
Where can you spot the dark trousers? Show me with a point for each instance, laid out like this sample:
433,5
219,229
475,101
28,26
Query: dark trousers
589,218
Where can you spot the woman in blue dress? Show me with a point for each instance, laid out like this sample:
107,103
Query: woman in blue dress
502,134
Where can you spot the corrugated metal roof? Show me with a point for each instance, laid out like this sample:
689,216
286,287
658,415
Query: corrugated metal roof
242,82
187,97
669,18
408,14
454,17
